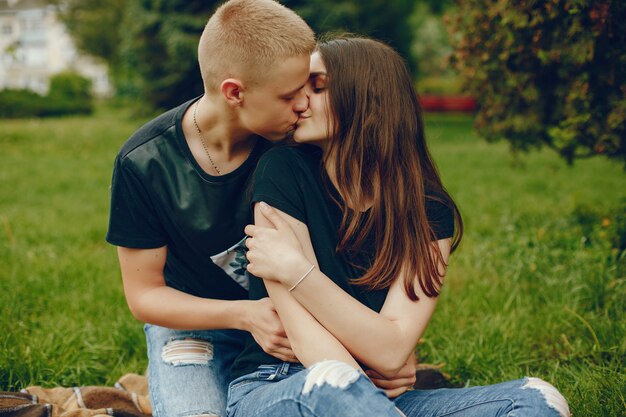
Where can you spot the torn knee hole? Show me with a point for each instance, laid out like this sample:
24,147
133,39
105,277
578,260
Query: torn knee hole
553,397
187,352
334,373
203,415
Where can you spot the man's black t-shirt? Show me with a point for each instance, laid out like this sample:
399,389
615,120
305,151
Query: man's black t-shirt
161,196
292,180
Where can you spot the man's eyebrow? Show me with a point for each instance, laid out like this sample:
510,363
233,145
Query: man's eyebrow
293,91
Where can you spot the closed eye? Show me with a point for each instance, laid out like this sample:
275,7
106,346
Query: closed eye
317,82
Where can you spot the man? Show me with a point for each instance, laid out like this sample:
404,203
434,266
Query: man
179,205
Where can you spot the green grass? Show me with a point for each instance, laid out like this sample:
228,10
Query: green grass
537,288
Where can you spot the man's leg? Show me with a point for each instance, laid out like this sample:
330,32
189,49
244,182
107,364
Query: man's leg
528,397
188,371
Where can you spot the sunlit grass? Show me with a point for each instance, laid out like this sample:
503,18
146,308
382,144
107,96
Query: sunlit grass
537,287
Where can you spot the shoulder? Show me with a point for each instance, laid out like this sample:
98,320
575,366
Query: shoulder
288,159
285,178
440,212
152,130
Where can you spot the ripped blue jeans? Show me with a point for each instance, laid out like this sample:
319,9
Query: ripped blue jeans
189,370
334,389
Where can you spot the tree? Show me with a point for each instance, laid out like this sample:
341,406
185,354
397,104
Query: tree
546,72
94,25
151,45
387,20
159,48
160,42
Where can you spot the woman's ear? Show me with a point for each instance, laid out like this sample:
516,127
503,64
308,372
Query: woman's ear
232,89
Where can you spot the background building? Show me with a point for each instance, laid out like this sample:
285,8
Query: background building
34,44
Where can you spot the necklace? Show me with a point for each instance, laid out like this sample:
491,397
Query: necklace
204,145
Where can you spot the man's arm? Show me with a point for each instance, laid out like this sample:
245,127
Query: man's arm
150,300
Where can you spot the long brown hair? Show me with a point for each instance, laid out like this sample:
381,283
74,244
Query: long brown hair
378,153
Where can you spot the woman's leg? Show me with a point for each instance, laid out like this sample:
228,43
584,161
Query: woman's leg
528,397
189,371
328,389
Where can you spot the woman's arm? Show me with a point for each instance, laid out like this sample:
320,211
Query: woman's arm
381,341
310,341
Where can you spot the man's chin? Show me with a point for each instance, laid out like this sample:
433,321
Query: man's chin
289,137
285,138
277,137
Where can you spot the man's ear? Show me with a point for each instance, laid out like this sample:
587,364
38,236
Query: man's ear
232,89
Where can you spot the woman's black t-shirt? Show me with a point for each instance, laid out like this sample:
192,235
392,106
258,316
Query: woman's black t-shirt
290,178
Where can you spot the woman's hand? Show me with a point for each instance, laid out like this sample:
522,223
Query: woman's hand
275,253
400,383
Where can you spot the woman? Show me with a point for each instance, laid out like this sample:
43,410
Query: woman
359,299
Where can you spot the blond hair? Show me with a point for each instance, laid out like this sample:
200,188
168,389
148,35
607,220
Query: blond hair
245,38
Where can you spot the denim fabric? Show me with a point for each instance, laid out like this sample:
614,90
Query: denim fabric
508,399
276,390
200,387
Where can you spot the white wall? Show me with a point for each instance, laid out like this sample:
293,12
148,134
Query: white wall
34,45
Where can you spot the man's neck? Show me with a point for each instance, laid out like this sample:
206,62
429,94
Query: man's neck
215,138
219,126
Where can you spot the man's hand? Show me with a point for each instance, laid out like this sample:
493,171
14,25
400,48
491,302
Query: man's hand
400,383
267,330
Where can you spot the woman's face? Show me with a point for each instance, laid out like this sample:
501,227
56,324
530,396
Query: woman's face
316,124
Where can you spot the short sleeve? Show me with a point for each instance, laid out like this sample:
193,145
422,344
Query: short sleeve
278,181
440,217
133,222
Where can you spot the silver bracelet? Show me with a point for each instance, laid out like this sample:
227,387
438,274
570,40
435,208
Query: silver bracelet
302,279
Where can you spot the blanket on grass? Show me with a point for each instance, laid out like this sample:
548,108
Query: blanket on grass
128,398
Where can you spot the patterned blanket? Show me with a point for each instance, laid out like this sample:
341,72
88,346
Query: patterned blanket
129,398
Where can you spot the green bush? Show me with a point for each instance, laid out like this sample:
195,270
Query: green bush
20,103
441,85
69,93
70,85
546,72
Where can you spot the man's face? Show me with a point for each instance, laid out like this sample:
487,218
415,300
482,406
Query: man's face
272,108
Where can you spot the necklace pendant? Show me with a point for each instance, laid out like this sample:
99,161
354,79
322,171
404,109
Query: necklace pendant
204,145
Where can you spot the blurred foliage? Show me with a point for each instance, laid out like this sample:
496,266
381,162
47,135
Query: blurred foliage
151,45
69,93
159,50
445,85
387,20
431,46
94,25
70,86
20,103
546,72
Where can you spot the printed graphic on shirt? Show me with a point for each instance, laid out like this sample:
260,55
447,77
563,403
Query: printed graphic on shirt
234,262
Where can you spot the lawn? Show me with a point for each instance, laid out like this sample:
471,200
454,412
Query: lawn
537,288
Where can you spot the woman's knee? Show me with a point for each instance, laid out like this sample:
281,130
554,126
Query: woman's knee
337,374
335,388
551,396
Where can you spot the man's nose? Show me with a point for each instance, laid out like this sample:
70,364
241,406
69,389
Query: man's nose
301,103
